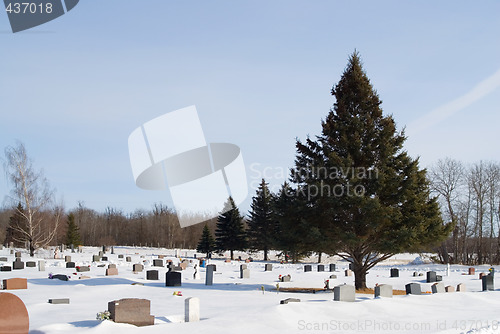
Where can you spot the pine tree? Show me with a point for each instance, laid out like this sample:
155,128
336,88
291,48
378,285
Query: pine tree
73,234
16,228
230,232
207,242
373,198
262,232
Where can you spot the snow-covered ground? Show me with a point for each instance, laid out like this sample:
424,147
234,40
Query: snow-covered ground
234,305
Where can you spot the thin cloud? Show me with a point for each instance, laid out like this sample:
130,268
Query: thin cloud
447,110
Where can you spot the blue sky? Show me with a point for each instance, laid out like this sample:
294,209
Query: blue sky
259,73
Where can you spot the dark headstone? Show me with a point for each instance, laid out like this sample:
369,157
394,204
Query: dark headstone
30,264
70,265
439,278
82,269
152,275
5,268
472,271
332,267
286,278
59,301
209,278
131,311
431,277
111,265
173,278
59,277
17,265
120,256
18,254
104,258
394,272
488,284
158,263
269,267
307,268
3,259
321,267
351,266
128,259
96,258
290,300
413,289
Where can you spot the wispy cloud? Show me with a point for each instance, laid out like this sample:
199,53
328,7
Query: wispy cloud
447,110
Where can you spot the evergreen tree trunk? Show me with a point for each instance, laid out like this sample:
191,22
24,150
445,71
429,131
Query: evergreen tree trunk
232,254
32,248
265,254
359,277
319,256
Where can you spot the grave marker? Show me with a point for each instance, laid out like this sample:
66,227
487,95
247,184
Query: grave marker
14,316
383,290
18,265
394,272
413,289
3,259
67,258
348,272
111,265
173,278
461,287
131,311
438,288
5,268
209,278
472,271
30,264
450,288
245,273
192,309
111,272
332,267
157,263
307,268
488,284
15,284
70,265
128,259
269,267
59,301
321,267
344,293
41,265
431,277
290,300
137,268
152,275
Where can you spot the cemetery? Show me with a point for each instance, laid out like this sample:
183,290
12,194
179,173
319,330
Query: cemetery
132,292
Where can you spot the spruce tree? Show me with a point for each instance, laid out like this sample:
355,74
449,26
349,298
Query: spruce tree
373,198
262,231
15,229
230,232
73,234
207,242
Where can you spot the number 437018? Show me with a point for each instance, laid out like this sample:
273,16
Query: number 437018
28,8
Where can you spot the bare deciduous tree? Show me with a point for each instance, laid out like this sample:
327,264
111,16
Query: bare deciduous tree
40,217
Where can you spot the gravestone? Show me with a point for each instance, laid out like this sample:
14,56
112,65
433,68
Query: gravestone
72,248
59,301
5,268
157,263
488,284
415,274
450,288
120,256
286,278
290,300
17,254
332,267
18,265
152,275
131,311
351,266
30,264
173,278
439,278
344,293
394,272
111,272
413,289
383,290
307,268
128,259
59,277
269,267
111,265
70,265
14,316
481,275
333,276
348,272
192,309
41,265
67,258
104,258
321,267
431,277
245,273
96,258
209,278
461,287
438,288
3,259
137,268
101,253
472,271
11,251
15,284
82,269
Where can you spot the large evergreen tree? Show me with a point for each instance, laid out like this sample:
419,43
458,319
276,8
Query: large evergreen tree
73,234
230,232
374,198
15,230
207,242
262,232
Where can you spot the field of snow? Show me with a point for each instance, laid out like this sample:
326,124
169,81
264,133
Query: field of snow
234,305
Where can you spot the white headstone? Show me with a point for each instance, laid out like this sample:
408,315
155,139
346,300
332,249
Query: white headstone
192,309
41,265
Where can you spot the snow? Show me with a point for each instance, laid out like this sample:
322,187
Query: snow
234,305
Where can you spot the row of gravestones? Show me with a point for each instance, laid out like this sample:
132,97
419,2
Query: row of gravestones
19,265
14,317
320,267
174,277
